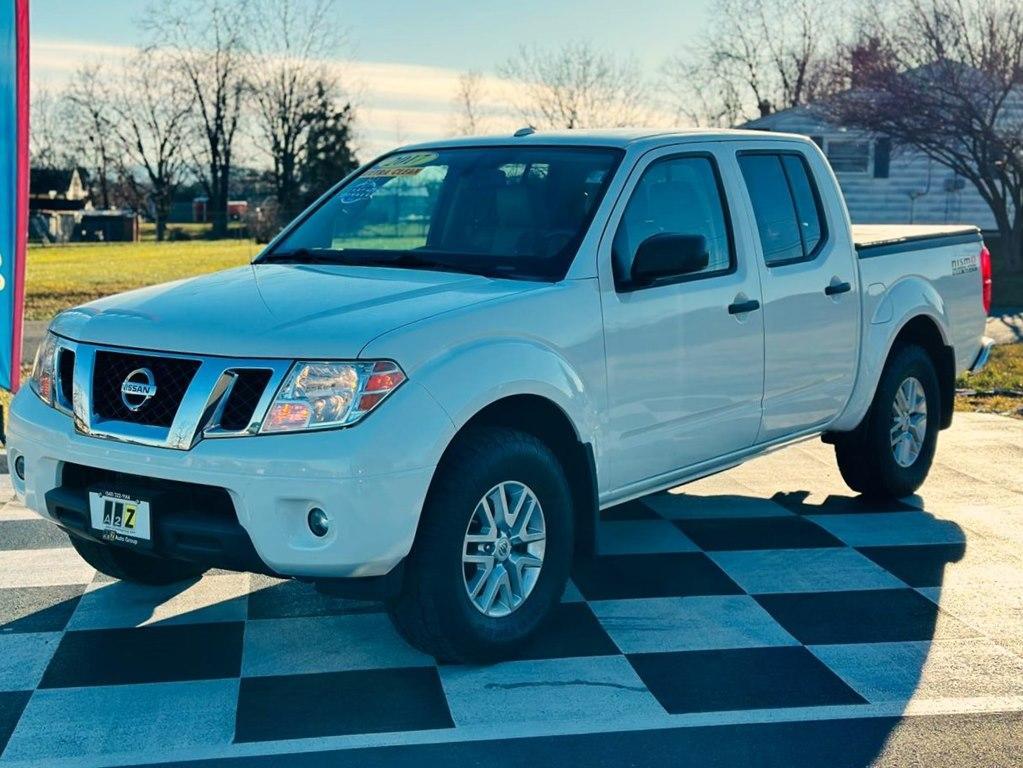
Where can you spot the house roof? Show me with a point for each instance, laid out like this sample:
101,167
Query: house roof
42,181
769,122
936,71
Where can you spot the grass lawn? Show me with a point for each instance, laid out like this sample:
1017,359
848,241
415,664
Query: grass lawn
58,277
187,230
990,390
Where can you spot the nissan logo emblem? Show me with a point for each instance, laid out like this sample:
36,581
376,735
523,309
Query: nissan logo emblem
138,388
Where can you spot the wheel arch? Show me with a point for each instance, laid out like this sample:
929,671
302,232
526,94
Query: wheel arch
923,331
922,328
549,422
910,310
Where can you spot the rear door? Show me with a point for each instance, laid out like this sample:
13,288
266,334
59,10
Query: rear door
811,310
685,374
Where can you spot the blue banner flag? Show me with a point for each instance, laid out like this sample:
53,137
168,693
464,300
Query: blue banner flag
13,184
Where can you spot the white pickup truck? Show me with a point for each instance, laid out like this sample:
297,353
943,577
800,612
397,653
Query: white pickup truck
428,386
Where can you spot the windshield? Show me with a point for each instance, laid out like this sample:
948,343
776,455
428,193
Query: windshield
500,211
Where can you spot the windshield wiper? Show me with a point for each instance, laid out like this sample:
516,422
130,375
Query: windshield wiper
413,260
356,257
400,259
303,256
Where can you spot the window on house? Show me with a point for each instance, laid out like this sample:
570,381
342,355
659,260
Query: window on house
848,155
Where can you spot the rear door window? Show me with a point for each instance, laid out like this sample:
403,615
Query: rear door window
786,206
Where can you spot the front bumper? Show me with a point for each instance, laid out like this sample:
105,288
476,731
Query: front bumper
371,479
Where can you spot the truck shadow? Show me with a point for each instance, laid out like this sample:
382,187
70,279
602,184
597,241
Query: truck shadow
815,620
856,584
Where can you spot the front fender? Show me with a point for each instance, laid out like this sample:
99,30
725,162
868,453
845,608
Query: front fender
467,378
547,341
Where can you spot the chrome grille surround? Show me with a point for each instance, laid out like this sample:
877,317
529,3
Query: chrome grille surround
199,411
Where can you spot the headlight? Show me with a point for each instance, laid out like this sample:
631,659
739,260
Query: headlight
316,395
43,369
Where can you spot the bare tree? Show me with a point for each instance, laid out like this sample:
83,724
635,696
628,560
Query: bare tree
759,56
469,117
577,86
153,107
48,138
948,81
204,41
89,120
289,76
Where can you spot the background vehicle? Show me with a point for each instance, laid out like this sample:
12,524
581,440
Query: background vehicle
428,385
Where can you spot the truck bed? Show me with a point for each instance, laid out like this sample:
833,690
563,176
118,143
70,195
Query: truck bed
941,262
882,239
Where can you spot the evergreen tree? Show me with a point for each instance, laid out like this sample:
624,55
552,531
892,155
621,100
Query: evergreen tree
328,155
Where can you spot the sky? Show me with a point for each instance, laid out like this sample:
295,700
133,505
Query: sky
403,57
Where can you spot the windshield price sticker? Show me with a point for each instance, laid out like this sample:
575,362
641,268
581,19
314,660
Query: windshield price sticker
405,164
407,160
391,172
361,190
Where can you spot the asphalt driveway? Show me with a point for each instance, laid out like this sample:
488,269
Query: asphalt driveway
764,616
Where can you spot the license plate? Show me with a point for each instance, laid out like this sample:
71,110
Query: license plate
119,518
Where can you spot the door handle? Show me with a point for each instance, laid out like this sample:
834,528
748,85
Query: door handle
741,307
836,288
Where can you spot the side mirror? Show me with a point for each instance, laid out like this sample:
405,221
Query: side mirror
669,255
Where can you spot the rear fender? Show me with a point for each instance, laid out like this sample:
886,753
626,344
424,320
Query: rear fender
907,299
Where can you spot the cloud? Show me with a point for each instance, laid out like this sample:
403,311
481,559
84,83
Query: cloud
53,61
395,103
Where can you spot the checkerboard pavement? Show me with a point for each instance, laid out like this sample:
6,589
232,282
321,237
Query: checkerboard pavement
743,598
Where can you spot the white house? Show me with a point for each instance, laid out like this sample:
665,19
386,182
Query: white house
885,183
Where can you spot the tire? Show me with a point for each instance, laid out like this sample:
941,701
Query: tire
127,565
868,461
434,610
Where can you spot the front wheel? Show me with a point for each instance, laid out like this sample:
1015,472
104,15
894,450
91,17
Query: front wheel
891,452
493,550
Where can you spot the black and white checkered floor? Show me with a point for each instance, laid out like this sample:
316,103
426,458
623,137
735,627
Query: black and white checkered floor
720,605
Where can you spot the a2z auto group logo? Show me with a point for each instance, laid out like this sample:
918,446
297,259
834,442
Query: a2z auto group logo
119,514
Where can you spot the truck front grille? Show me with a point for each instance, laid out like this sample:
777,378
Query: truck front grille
66,375
241,403
164,400
171,377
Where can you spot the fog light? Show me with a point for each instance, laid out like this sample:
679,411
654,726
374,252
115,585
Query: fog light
319,523
19,467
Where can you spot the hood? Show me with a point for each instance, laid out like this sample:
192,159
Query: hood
277,310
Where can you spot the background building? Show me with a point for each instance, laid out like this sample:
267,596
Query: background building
883,182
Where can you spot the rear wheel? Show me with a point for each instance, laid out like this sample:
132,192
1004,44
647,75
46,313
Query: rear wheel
890,454
493,550
126,565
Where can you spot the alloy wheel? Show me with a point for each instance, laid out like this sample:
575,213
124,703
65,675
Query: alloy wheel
909,422
503,549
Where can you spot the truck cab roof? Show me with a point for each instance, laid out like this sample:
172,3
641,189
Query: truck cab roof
623,138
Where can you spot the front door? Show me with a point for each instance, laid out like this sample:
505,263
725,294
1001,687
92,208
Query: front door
685,354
